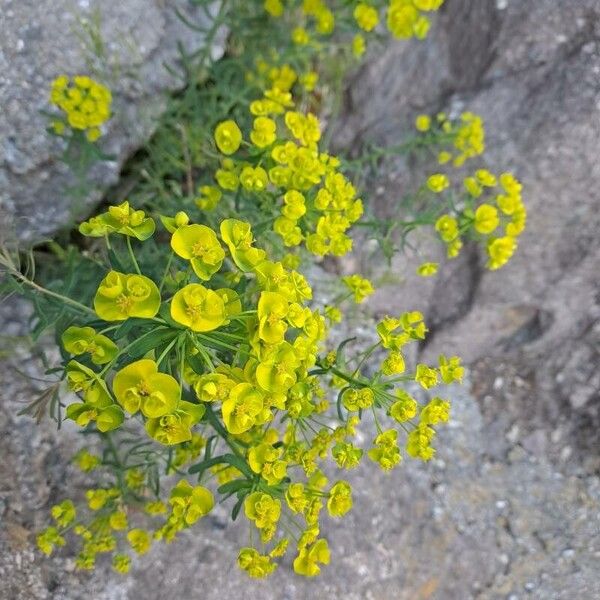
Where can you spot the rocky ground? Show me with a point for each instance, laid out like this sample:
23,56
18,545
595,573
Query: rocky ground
511,507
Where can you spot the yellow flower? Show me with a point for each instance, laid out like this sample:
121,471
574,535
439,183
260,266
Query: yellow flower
485,178
209,197
418,444
199,245
80,340
405,408
128,221
172,224
264,132
122,295
427,269
426,376
366,16
386,452
64,513
242,409
272,311
139,386
340,499
198,308
486,218
228,137
300,36
360,287
174,428
238,237
121,563
423,123
500,251
254,179
438,183
447,227
139,540
309,557
263,509
273,7
436,411
358,45
450,369
190,503
401,18
255,564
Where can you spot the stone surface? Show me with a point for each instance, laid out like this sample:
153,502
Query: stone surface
130,43
510,507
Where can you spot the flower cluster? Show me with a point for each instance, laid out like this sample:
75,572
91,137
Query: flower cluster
314,202
85,102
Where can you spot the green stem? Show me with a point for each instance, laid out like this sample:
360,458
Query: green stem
132,255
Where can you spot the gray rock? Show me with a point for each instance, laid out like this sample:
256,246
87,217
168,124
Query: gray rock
40,39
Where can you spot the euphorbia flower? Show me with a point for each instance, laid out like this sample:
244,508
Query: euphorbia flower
199,245
198,308
122,295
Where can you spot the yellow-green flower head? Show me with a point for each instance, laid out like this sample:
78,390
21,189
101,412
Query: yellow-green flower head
450,369
209,197
254,179
436,411
275,375
199,245
263,509
122,295
64,513
243,408
264,460
427,269
296,497
272,312
264,132
346,455
426,376
485,178
121,563
354,400
300,36
172,224
340,499
402,17
228,137
386,452
82,379
81,340
139,540
423,123
85,461
361,288
447,227
294,205
174,428
438,183
486,219
198,308
366,16
359,45
309,557
48,539
85,102
126,220
118,521
213,387
139,386
393,364
405,408
191,503
275,9
239,239
418,444
500,250
255,564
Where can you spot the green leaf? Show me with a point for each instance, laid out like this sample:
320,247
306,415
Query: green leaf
151,340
